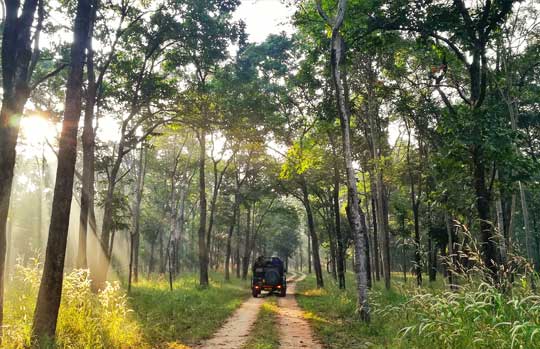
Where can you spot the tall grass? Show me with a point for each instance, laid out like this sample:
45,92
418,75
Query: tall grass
486,309
475,315
86,320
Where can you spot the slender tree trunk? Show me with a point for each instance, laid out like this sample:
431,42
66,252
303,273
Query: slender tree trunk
313,235
203,252
247,244
309,254
238,241
415,203
339,77
230,235
381,226
333,252
451,253
50,289
88,137
135,238
151,260
337,216
376,253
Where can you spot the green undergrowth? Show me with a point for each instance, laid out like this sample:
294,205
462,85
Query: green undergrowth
150,317
188,314
265,332
476,316
86,320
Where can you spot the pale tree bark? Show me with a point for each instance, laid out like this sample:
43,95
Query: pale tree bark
87,191
415,205
50,290
383,231
218,179
337,217
235,220
135,235
87,216
247,244
339,78
230,234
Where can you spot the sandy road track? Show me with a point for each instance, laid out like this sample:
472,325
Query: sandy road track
235,332
294,328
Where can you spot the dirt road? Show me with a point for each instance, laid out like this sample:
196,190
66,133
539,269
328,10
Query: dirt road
294,330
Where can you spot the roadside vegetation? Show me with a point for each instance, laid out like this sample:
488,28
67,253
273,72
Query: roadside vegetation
87,320
152,316
475,315
187,314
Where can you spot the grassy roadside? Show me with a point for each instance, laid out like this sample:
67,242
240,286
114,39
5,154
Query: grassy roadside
476,316
150,317
186,315
265,332
331,312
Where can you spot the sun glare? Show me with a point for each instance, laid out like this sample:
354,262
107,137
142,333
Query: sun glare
36,130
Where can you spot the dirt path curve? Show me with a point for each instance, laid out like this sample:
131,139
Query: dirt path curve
294,328
235,332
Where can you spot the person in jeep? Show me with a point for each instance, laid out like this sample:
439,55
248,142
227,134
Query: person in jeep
268,275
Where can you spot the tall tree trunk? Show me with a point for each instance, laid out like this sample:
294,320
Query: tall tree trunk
247,244
16,58
376,252
415,203
337,216
309,254
238,242
203,252
88,138
333,252
230,235
151,260
451,253
379,190
50,290
432,265
135,235
483,199
312,234
339,77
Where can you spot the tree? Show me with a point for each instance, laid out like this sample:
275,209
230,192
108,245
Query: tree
357,218
203,36
50,290
17,66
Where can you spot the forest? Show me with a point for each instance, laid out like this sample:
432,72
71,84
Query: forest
387,151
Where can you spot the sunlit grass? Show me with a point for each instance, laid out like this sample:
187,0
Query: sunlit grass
188,314
150,317
265,332
86,320
477,316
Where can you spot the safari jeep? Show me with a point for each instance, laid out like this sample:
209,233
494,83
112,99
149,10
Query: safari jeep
269,275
